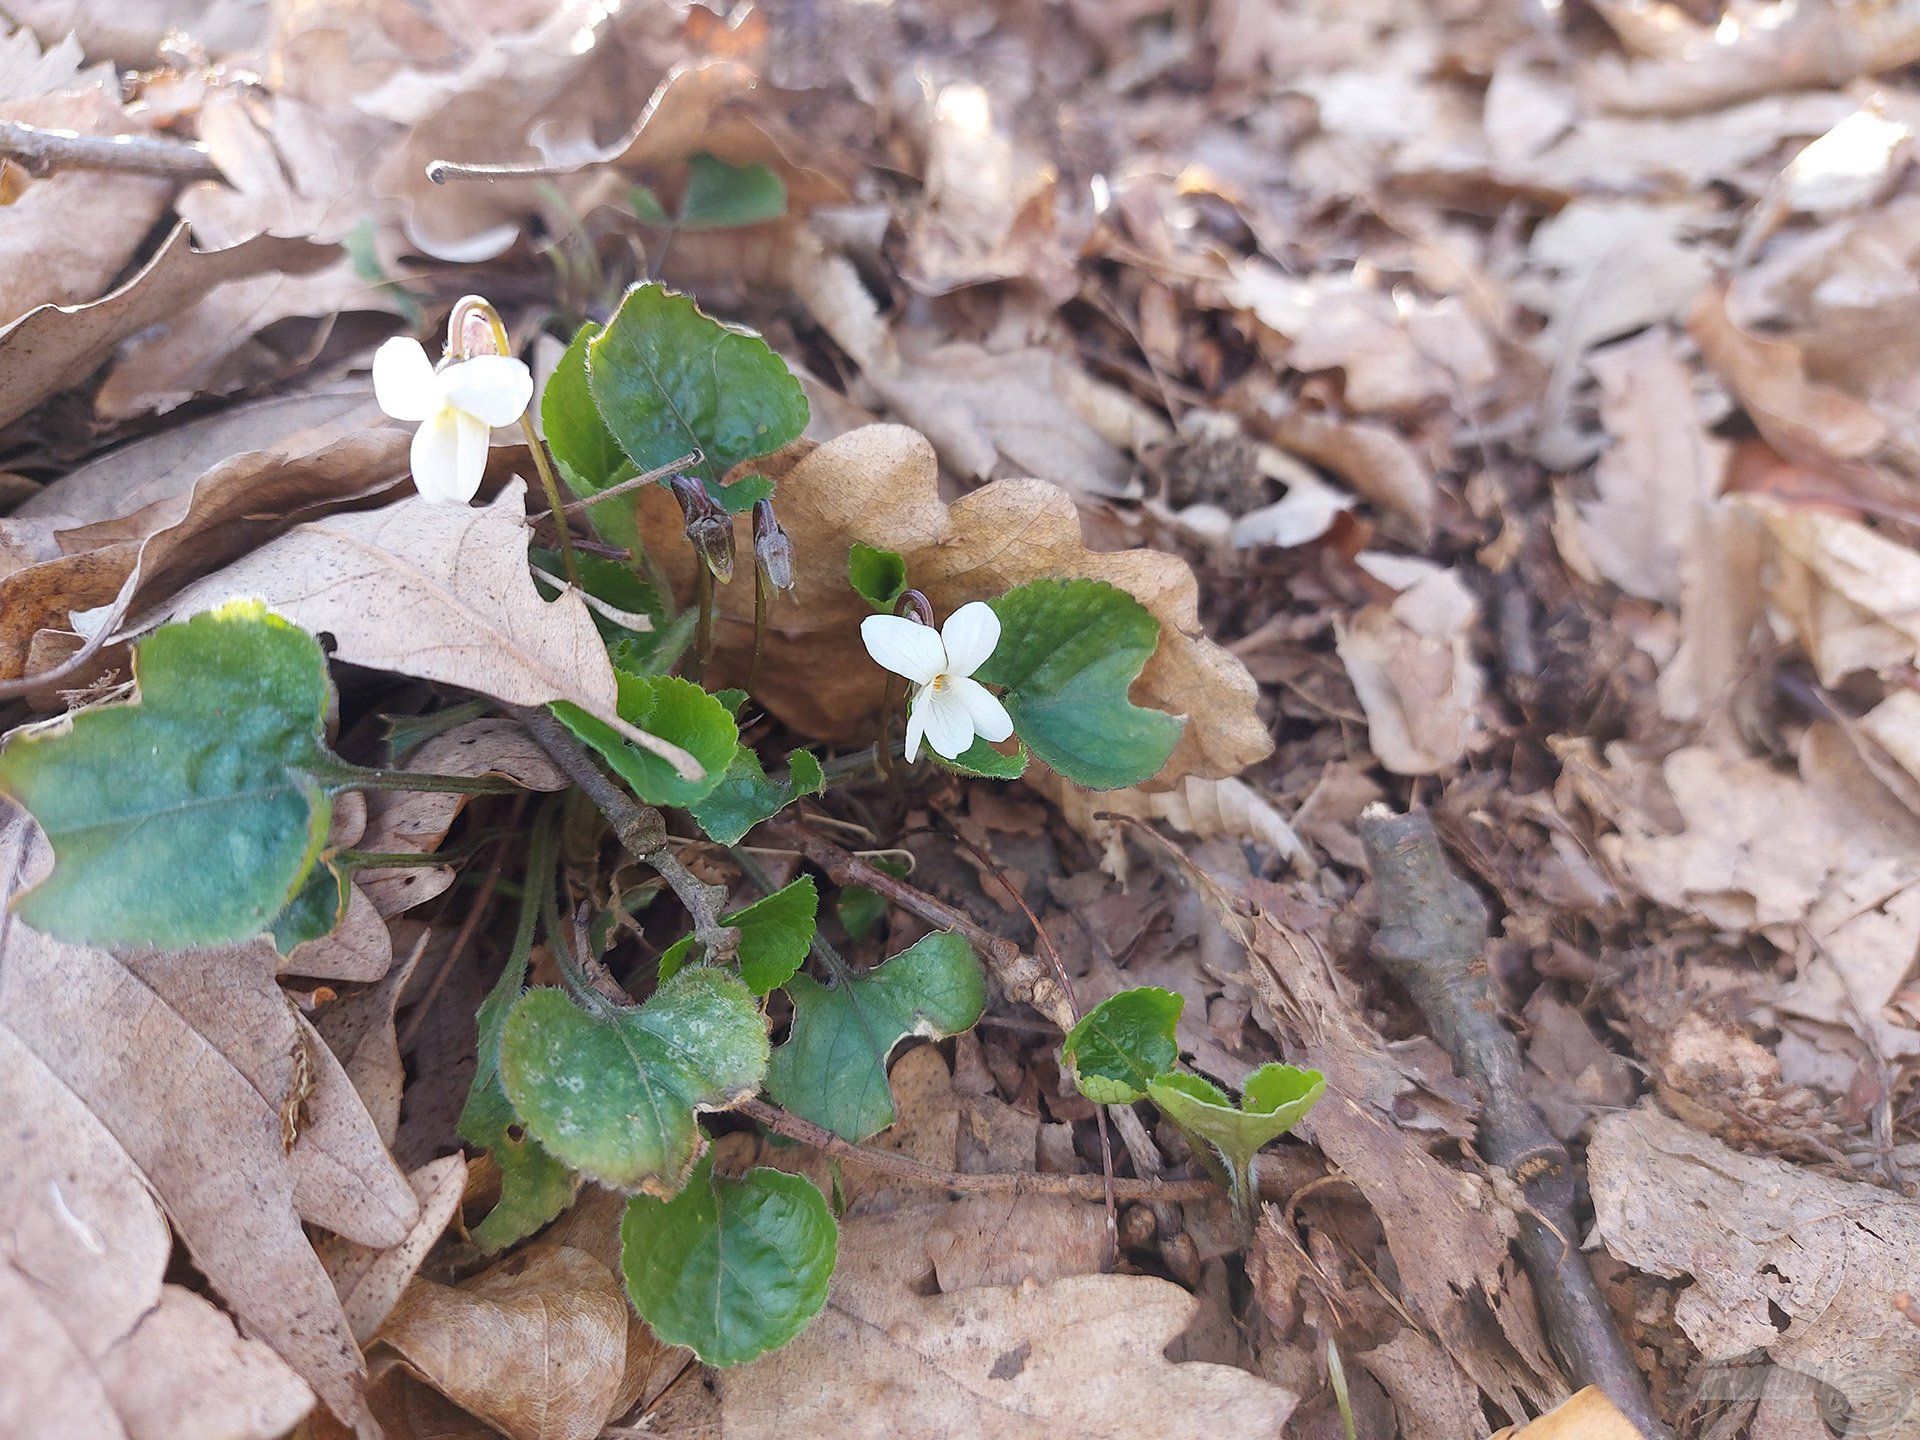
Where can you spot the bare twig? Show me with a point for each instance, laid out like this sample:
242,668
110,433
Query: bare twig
641,830
1433,927
651,477
1021,976
41,151
1279,1175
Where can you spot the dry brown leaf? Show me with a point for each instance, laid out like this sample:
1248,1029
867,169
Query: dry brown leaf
880,485
190,1067
1657,476
1807,1268
54,347
359,1030
1014,1240
1204,809
1850,594
535,1346
439,592
1375,461
1039,1360
410,821
1411,663
1585,1415
371,1281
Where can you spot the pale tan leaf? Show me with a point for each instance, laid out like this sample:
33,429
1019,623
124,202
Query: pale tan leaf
1850,594
1205,809
370,1281
535,1346
1585,1415
1024,1363
359,1030
1412,666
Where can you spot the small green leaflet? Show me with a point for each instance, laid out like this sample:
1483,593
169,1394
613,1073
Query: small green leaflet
1069,650
833,1068
668,379
718,196
314,911
674,709
730,1268
1273,1100
614,1094
745,796
880,576
192,815
1123,1044
774,935
861,910
981,761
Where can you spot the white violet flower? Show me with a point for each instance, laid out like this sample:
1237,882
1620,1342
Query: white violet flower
949,706
456,406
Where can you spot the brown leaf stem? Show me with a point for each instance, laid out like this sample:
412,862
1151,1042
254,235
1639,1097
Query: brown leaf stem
1433,928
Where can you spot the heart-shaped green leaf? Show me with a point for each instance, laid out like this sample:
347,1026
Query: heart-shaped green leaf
880,576
1123,1044
190,815
720,196
668,379
1068,652
745,796
674,709
590,459
730,1268
614,1094
981,761
774,935
1272,1102
833,1068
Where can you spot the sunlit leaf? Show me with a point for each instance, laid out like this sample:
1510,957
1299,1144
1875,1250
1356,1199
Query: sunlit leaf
1123,1044
674,709
833,1068
614,1094
1273,1100
774,935
668,380
1069,650
190,815
590,458
745,796
730,1268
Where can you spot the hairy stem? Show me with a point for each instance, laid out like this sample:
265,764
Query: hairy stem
640,829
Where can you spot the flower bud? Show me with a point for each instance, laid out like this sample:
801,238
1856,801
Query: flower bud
473,329
771,547
709,528
914,606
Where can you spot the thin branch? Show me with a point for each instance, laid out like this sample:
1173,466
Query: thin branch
652,477
1277,1178
1020,975
1433,928
41,151
641,830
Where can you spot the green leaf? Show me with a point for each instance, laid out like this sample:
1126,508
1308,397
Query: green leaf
982,761
744,493
745,796
774,935
730,1268
724,197
314,911
646,205
190,816
1273,1101
608,580
590,459
674,709
614,1094
669,379
880,576
833,1068
1124,1044
1069,650
861,910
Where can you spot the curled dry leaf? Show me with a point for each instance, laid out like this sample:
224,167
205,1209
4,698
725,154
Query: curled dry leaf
1807,1268
992,1361
1412,665
536,1346
880,485
192,1073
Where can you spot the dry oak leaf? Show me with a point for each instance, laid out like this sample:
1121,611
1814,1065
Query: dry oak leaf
195,1065
1808,1268
880,485
1850,594
1079,1356
438,592
536,1346
1411,663
370,1281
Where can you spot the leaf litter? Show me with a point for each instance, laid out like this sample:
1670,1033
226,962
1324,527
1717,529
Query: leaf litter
1501,414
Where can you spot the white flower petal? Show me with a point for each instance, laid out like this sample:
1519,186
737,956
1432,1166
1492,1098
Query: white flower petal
949,725
403,380
470,465
990,718
904,646
494,388
971,633
436,457
916,723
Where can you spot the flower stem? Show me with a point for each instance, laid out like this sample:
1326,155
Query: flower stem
549,482
338,774
760,588
704,603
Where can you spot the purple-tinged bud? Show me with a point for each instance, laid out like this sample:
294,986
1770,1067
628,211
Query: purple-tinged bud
709,528
771,546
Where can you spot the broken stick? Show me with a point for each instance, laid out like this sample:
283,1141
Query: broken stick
1433,930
